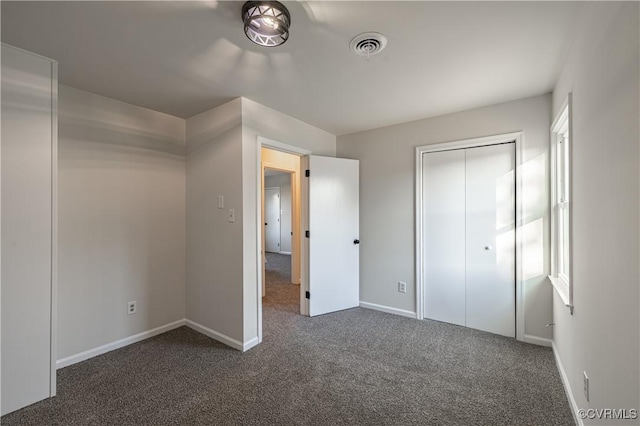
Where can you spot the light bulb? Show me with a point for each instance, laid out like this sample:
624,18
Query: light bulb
270,22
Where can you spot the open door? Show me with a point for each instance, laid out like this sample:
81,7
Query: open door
334,255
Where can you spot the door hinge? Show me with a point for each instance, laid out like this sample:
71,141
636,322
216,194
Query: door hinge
306,173
307,295
306,234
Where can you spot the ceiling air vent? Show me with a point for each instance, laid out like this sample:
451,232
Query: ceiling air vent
367,44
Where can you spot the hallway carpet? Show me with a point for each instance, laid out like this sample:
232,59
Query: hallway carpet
355,367
280,294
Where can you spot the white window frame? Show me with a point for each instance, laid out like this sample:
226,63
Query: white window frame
561,141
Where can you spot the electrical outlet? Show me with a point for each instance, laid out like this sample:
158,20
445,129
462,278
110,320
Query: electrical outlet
402,287
132,307
586,385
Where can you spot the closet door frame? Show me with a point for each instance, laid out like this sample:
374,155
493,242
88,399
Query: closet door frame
420,243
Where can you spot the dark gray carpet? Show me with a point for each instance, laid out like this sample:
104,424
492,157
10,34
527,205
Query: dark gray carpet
278,267
352,367
280,294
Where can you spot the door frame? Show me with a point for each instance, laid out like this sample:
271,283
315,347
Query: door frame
516,137
304,218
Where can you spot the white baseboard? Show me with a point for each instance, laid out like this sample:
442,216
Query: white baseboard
388,309
235,344
540,341
567,387
286,252
250,344
82,356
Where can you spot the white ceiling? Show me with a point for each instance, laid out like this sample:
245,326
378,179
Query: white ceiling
183,58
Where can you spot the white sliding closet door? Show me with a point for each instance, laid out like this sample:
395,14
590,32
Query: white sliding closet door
469,244
444,250
490,256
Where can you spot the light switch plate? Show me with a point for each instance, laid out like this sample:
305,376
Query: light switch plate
232,215
220,201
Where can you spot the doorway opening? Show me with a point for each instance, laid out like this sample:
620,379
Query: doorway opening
281,290
325,222
281,254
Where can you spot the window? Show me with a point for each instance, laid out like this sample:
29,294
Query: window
561,140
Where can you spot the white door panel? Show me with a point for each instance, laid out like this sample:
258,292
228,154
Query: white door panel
469,237
334,225
272,219
490,257
444,227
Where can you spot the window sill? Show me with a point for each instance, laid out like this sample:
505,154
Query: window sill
563,291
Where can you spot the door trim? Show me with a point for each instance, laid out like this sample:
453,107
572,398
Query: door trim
54,228
516,137
283,147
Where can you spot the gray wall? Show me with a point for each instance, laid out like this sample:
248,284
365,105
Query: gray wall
601,337
214,245
283,181
121,220
387,193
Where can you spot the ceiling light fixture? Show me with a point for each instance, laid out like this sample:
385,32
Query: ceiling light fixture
266,22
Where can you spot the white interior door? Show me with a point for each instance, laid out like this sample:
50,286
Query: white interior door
334,255
490,247
444,242
272,219
469,237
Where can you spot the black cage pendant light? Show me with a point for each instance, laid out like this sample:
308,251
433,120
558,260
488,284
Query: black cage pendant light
266,22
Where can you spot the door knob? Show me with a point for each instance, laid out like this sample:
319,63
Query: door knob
356,241
487,247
